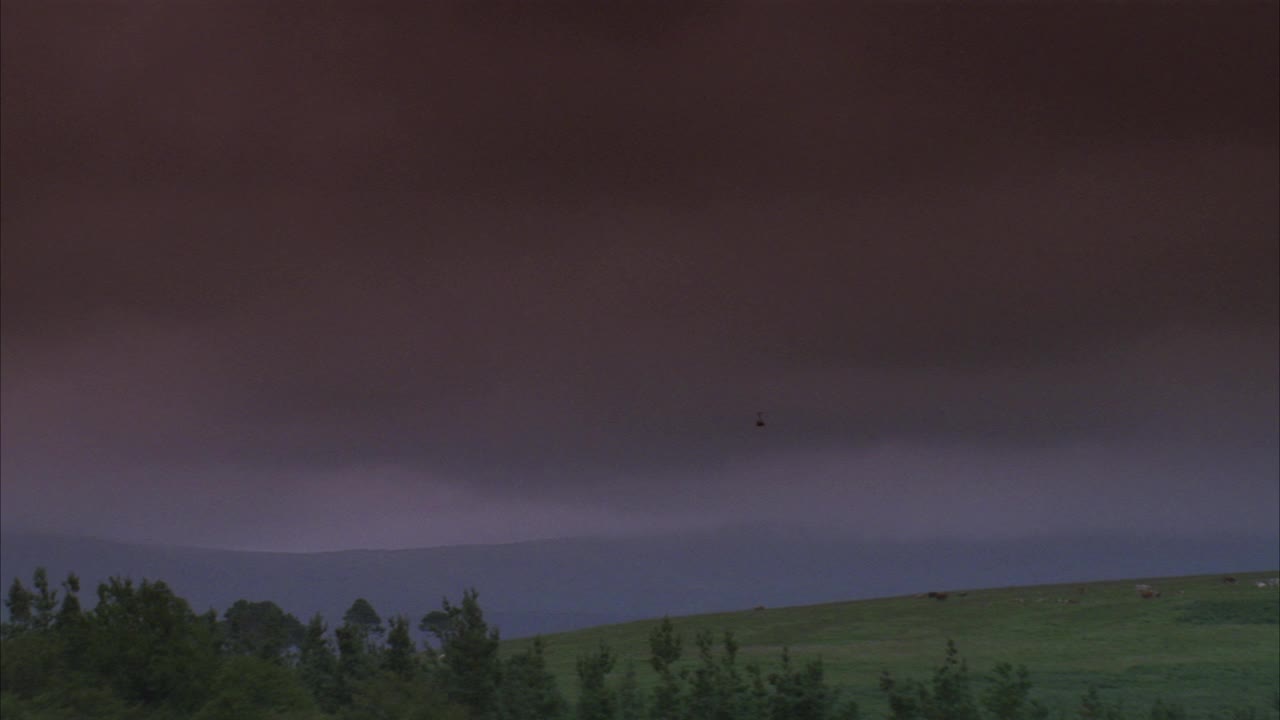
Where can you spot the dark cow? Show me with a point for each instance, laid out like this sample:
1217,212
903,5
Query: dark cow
1228,580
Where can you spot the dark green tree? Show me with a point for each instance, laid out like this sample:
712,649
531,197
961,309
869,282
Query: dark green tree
664,651
528,690
261,629
69,613
1008,695
31,664
388,697
19,602
596,700
363,619
757,689
355,662
664,646
800,693
45,602
72,625
948,696
317,666
469,667
398,659
952,696
630,701
436,623
901,696
359,652
717,690
704,697
149,646
41,649
733,686
251,687
73,701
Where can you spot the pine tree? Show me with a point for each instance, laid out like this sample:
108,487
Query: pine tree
528,690
704,691
1007,697
664,652
19,602
596,700
757,692
69,613
952,697
355,663
398,658
901,696
800,694
317,667
630,701
365,622
72,625
470,668
717,691
45,601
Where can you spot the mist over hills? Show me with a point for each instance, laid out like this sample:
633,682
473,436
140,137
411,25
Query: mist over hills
554,585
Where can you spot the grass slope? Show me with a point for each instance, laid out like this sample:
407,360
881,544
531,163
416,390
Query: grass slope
1203,644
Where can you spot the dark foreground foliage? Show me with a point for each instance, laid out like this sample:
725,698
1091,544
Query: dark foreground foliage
143,654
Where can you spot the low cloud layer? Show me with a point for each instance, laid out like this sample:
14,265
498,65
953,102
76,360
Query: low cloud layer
311,278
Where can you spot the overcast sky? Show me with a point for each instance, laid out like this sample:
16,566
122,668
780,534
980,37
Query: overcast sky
304,276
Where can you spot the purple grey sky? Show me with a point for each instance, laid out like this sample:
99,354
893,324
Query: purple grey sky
306,276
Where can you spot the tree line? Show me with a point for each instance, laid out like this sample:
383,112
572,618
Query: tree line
142,653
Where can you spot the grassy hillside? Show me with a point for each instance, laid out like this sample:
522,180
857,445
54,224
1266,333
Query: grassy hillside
1203,644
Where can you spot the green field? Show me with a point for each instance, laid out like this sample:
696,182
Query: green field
1203,644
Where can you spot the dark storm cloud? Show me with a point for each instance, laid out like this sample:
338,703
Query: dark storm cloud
649,100
503,251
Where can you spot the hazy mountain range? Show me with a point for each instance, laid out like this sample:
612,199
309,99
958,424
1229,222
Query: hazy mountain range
552,585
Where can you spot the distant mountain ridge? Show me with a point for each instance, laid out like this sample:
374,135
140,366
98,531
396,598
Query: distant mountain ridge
556,585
